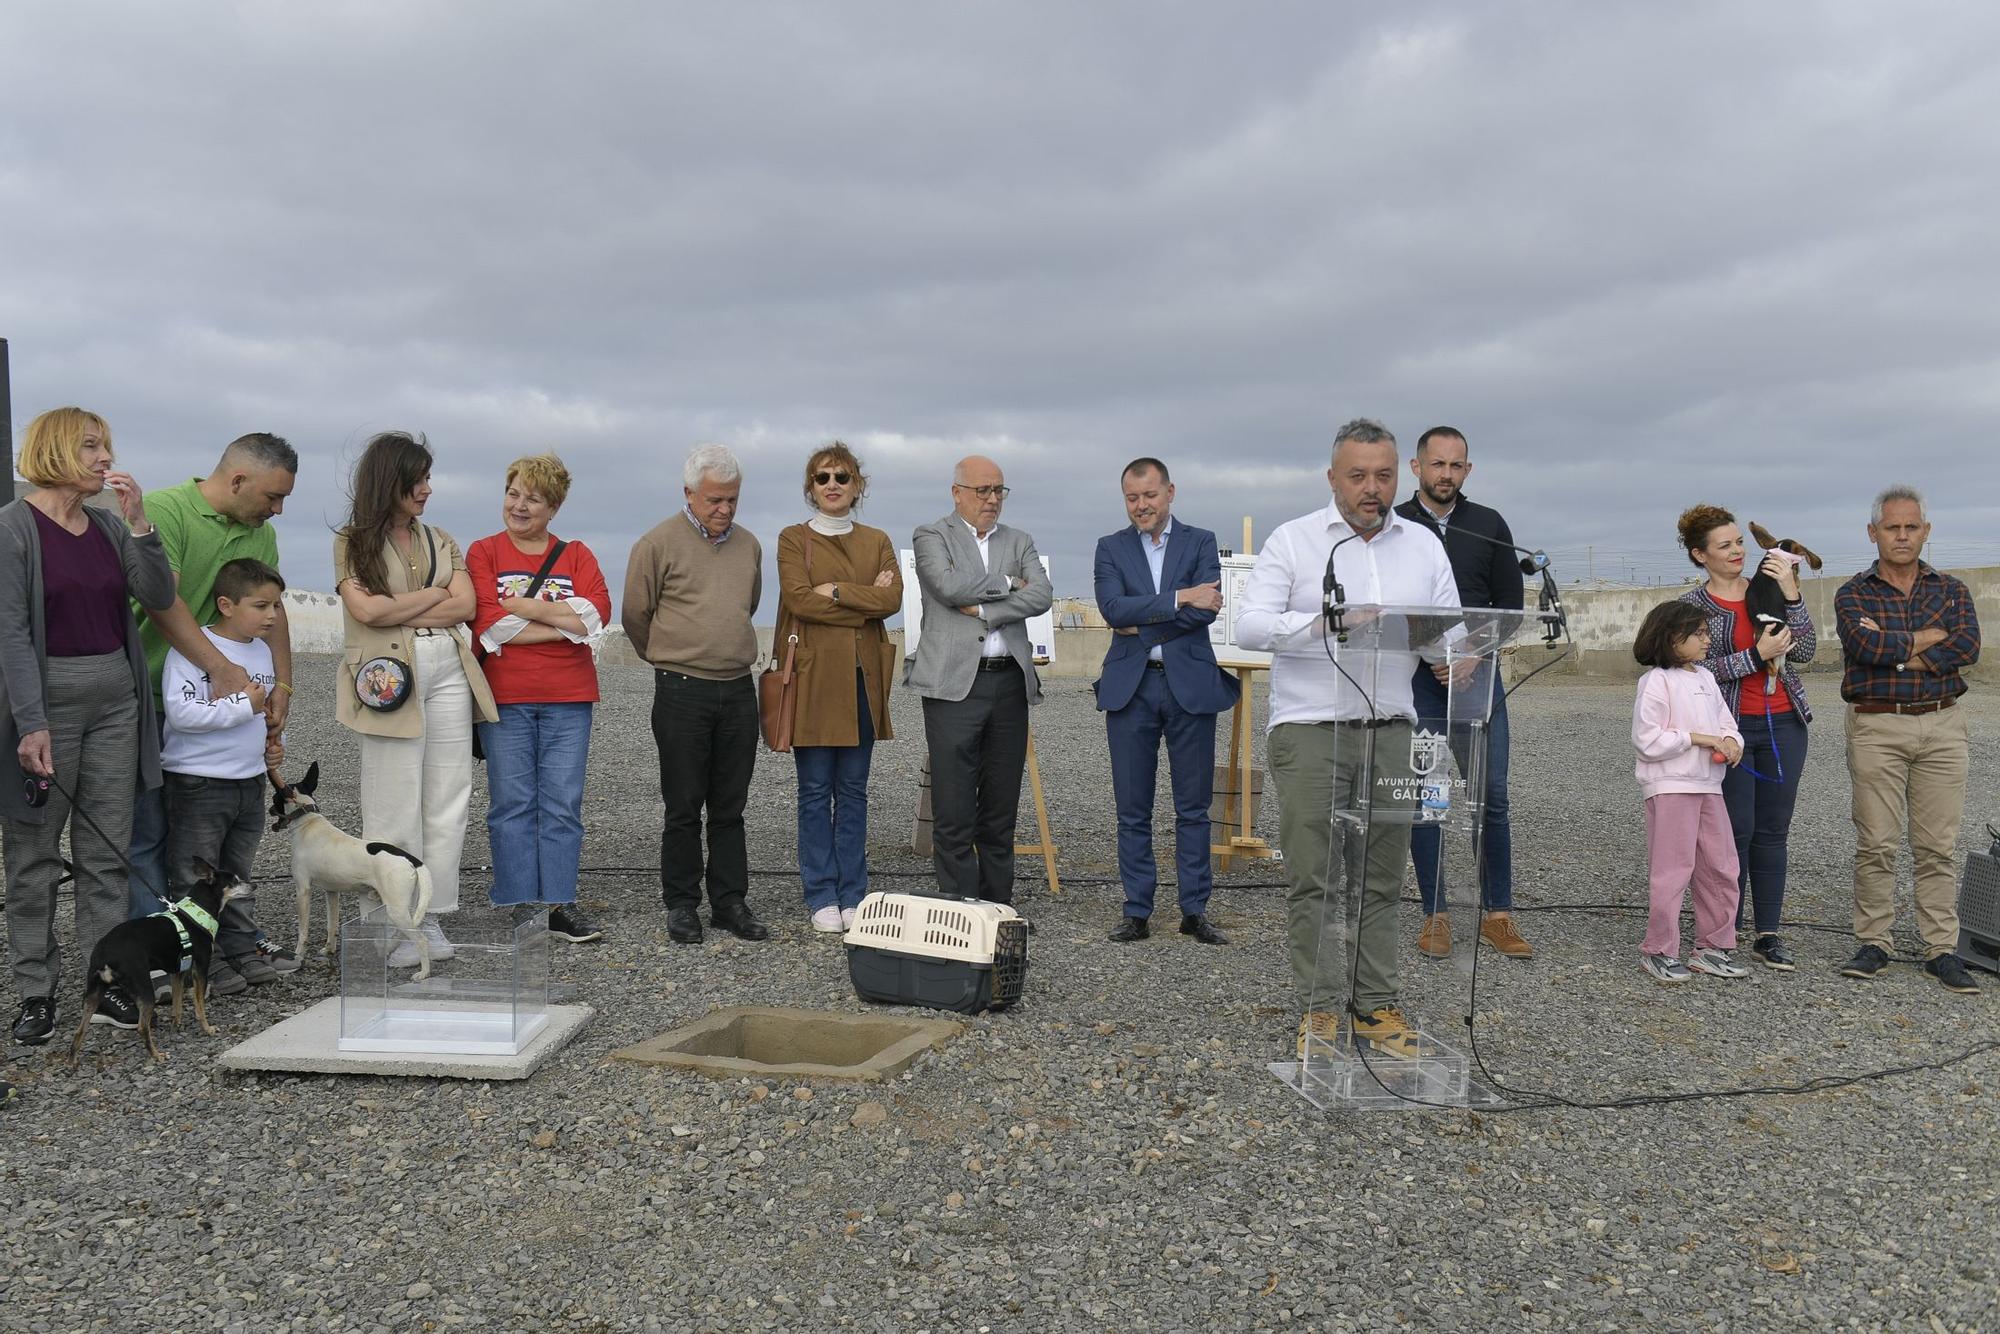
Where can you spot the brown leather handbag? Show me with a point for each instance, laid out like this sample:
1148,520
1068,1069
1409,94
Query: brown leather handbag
778,686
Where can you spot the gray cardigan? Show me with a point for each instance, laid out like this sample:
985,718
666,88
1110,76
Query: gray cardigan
23,639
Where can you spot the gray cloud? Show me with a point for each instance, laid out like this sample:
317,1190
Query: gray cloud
1642,255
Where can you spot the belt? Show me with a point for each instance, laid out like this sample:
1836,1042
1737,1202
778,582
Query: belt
1154,665
1370,723
1928,706
998,665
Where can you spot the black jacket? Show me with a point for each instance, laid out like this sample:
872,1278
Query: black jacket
1487,576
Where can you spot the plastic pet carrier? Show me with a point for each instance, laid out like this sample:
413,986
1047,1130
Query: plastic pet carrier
941,953
1979,907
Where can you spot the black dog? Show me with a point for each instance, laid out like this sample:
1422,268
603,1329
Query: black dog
1765,601
177,941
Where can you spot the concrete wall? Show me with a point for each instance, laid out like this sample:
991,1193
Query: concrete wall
1604,622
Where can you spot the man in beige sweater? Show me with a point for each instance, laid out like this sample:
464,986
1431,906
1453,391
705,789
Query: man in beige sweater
691,586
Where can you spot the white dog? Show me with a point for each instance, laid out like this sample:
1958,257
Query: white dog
340,863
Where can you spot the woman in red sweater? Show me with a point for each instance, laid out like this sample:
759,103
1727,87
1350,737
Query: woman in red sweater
540,605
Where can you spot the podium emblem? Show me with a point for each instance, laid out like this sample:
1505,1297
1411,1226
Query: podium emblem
1427,752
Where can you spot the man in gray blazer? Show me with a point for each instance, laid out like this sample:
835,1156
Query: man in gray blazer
975,671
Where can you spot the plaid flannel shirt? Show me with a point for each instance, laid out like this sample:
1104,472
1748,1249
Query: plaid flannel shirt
1870,658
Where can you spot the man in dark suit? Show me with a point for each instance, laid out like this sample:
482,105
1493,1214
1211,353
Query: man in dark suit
1158,588
975,672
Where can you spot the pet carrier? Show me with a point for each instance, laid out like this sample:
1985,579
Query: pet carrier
941,953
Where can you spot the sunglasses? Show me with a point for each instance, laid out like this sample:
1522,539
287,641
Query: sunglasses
822,478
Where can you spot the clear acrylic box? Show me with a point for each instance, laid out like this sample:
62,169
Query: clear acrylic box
489,999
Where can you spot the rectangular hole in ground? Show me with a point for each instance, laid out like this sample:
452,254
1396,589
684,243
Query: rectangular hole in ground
771,1040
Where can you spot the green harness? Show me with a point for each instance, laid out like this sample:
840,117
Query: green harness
196,913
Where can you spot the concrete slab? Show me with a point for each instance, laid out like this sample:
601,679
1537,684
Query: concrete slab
766,1042
309,1043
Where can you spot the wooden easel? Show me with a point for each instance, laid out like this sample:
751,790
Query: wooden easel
1046,848
1239,840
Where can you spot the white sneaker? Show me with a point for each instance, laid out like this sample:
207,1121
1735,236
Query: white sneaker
826,919
847,918
405,954
1716,963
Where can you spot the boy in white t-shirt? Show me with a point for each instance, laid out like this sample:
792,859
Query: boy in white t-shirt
216,753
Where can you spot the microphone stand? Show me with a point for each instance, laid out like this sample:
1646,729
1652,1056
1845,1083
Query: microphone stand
1555,623
1333,598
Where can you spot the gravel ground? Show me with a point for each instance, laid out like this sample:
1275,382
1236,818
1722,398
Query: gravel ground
1112,1154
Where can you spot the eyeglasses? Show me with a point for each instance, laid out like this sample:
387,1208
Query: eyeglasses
984,492
822,478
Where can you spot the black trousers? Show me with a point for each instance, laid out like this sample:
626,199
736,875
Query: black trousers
978,746
707,735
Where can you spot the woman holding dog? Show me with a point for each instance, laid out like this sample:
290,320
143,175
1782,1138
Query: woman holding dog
1761,685
540,604
837,581
76,701
406,599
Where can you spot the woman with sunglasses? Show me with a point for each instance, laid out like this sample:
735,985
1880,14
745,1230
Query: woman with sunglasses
837,581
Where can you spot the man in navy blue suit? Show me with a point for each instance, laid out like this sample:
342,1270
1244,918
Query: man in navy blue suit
1158,588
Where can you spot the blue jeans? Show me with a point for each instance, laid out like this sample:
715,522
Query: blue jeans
147,848
1760,812
535,757
1496,861
833,815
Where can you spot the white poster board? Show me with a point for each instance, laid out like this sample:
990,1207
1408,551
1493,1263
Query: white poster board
1222,630
1041,629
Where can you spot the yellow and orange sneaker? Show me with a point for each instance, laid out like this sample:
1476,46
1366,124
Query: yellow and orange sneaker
1323,1025
1385,1030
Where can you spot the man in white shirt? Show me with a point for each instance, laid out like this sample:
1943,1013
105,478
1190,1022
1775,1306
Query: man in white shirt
1324,728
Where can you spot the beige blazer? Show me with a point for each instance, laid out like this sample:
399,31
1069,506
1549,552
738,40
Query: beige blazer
399,641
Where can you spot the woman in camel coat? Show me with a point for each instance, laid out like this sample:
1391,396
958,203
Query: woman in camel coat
837,581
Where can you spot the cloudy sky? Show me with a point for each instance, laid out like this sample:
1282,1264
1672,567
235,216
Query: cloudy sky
1642,254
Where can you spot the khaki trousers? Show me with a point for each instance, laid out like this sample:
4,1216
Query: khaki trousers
1319,768
1908,773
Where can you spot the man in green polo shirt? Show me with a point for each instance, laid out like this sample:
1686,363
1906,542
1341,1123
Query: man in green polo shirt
204,524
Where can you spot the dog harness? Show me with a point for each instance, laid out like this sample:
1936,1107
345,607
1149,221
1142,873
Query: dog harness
199,916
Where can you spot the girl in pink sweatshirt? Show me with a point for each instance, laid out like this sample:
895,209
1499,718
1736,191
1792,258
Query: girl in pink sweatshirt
1685,734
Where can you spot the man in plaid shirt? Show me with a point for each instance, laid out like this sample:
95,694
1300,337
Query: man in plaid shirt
1906,632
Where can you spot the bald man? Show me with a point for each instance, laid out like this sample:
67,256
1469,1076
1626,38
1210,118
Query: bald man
975,671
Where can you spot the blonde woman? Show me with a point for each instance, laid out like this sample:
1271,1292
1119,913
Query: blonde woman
76,703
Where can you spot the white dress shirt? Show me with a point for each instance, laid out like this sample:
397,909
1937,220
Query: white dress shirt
991,645
1156,561
1403,565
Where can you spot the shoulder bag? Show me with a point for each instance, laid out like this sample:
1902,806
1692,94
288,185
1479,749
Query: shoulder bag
778,687
383,684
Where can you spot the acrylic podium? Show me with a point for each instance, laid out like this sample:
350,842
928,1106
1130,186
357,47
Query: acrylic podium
1391,774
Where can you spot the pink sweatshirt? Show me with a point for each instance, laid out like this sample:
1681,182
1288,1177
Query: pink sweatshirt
1671,704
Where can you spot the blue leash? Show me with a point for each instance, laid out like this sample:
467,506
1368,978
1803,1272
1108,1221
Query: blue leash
1771,729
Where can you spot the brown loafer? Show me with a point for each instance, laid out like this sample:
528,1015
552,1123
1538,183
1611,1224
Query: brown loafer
1499,931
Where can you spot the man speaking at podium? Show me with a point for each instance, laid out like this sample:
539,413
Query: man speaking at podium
1356,551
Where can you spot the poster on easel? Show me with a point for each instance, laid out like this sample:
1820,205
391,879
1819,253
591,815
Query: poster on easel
1041,628
1236,570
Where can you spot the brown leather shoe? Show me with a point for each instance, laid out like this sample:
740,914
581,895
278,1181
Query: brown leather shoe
1435,938
1499,931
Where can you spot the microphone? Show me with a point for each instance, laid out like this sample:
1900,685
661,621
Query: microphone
1554,621
1333,597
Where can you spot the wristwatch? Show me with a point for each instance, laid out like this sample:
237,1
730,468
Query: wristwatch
836,592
